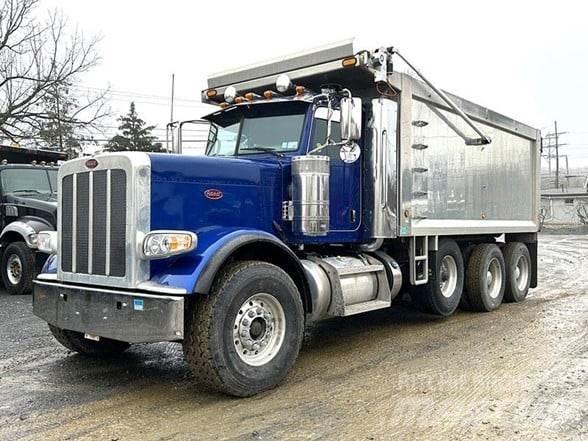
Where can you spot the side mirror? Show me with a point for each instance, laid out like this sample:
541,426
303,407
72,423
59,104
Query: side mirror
351,119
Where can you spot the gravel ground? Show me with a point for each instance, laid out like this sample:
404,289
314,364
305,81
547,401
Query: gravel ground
518,373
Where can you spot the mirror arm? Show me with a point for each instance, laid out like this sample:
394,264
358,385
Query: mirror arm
331,144
329,115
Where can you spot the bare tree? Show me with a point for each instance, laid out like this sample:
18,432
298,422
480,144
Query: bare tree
36,59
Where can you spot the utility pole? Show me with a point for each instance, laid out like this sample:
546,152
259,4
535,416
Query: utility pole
171,117
556,157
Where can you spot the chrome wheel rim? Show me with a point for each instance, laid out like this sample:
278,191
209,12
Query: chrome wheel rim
494,278
259,329
14,269
522,273
448,276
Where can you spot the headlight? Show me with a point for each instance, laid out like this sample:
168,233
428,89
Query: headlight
33,238
47,242
161,244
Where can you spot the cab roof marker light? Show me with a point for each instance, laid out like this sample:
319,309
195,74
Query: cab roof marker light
224,105
211,93
349,62
269,94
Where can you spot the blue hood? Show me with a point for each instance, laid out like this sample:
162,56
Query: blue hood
200,193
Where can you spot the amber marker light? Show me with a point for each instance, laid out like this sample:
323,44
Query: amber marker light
268,94
224,105
211,93
250,96
349,62
300,90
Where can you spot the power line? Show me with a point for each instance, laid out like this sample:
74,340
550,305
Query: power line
130,93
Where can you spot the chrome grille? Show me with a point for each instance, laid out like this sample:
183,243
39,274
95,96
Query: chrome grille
104,213
93,222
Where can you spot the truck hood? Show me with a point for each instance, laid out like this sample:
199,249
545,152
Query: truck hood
199,192
43,202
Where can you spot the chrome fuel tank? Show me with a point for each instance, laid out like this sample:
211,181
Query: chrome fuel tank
310,195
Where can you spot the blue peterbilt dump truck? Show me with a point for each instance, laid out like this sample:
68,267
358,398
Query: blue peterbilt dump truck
331,183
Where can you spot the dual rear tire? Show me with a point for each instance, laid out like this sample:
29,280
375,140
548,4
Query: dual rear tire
490,277
442,294
485,278
495,275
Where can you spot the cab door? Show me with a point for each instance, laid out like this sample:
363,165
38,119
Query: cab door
345,180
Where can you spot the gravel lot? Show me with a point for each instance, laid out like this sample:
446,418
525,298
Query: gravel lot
520,372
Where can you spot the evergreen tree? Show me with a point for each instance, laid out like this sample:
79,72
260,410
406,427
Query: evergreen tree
135,134
58,129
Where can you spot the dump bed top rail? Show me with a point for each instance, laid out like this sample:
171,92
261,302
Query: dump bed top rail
276,66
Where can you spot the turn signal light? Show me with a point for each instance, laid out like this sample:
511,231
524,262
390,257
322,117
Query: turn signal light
211,93
349,62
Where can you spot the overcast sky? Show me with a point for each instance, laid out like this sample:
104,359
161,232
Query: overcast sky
525,59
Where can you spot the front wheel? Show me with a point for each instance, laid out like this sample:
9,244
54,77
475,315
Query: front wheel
244,337
76,341
18,268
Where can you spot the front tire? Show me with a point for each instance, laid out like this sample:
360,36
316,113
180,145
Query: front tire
18,268
244,337
76,342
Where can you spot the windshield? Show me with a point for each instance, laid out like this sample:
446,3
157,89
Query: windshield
29,181
257,129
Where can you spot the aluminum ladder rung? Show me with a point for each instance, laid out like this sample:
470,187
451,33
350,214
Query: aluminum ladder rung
419,277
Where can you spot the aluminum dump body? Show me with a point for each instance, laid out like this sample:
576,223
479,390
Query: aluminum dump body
448,187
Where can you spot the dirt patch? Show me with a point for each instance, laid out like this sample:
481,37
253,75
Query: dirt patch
520,372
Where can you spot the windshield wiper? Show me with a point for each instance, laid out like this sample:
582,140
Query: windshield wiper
28,190
271,150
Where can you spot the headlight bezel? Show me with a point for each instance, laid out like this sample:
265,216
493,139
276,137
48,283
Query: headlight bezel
156,238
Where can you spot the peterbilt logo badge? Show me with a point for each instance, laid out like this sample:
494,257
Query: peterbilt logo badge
213,194
91,163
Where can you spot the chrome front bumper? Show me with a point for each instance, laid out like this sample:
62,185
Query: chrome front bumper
119,315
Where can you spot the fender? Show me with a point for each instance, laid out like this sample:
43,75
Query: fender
27,227
196,272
